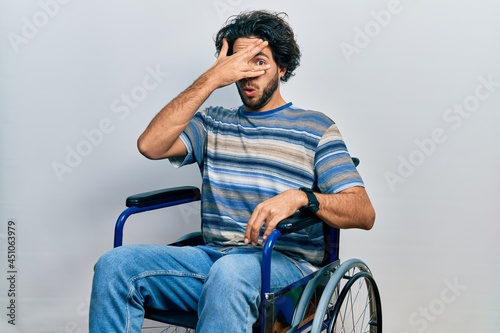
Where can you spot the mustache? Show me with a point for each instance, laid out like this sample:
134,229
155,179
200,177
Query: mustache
247,86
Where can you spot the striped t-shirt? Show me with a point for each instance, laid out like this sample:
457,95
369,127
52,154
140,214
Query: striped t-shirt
248,157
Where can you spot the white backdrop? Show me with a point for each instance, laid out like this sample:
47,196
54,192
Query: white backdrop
413,85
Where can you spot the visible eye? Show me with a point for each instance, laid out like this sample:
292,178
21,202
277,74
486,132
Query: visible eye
261,62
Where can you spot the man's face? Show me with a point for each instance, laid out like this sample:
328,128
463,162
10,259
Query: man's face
262,92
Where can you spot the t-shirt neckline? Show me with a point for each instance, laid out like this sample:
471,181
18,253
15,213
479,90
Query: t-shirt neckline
264,113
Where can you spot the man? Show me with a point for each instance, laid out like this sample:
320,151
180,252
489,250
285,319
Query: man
257,162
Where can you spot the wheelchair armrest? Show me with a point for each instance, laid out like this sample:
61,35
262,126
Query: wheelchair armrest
298,221
153,200
163,196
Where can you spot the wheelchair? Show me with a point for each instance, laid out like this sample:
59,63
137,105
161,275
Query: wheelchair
338,297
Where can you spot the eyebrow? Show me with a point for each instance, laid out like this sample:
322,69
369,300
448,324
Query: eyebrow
262,54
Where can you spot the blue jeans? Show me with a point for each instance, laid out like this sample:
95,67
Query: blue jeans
223,285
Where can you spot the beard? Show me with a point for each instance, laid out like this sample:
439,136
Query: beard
253,103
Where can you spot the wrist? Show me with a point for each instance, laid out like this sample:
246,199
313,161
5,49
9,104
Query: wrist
302,198
213,79
208,81
312,203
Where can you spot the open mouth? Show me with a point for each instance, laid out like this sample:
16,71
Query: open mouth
249,91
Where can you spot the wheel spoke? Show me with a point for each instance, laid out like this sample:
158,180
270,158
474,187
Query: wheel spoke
350,302
354,315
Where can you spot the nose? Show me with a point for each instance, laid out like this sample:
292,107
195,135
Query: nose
245,82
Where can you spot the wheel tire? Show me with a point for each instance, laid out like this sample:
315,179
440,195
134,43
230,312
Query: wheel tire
350,301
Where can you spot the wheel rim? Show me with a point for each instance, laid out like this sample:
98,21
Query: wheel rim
357,308
350,301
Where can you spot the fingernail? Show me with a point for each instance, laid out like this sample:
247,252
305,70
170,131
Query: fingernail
246,240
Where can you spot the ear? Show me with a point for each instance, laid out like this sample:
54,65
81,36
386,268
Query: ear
282,71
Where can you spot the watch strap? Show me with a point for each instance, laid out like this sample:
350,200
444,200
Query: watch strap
313,204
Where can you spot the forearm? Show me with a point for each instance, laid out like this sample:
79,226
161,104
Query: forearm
159,138
160,135
350,208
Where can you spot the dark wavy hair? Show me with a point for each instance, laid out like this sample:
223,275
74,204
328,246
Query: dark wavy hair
269,26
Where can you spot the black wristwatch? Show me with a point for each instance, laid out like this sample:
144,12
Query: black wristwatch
313,204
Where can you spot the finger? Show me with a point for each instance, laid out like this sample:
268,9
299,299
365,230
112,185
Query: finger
254,225
248,230
224,48
270,226
252,49
257,71
255,233
256,47
252,234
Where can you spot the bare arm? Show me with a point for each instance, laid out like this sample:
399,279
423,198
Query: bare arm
161,137
350,208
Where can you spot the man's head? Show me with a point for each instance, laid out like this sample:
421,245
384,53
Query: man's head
267,26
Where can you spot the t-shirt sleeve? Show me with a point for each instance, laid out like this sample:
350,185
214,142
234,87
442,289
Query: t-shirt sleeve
194,138
333,164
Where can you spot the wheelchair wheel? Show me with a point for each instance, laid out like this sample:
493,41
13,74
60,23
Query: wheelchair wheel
350,301
167,329
157,327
